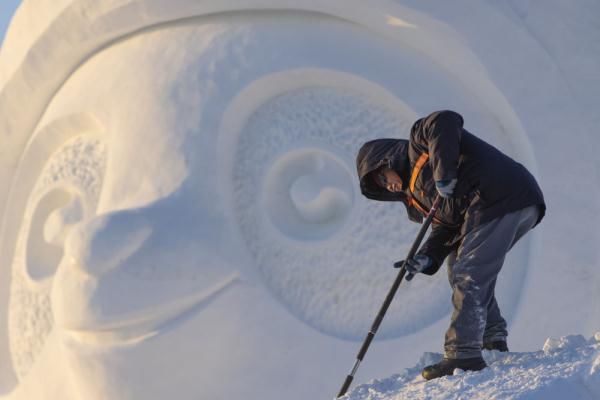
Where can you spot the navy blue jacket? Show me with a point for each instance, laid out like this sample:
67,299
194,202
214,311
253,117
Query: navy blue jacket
489,183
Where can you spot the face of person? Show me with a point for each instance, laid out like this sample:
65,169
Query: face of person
389,179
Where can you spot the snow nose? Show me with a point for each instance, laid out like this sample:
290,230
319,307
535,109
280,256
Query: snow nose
105,242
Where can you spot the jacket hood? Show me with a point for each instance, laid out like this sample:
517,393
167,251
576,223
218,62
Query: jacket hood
392,153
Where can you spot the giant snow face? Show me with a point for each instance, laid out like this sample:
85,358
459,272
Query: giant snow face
187,181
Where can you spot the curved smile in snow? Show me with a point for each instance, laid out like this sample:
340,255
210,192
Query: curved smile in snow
146,322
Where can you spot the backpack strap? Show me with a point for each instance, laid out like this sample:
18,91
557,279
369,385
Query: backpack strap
417,170
421,161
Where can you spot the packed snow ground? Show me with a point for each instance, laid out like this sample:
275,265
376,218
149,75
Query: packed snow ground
566,368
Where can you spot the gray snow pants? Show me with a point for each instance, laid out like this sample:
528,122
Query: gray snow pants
472,272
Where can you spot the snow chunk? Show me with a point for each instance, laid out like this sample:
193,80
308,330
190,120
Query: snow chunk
565,342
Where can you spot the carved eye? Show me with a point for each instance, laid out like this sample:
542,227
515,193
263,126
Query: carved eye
64,192
318,244
55,213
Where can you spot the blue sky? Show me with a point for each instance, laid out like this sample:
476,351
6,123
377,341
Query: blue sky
7,9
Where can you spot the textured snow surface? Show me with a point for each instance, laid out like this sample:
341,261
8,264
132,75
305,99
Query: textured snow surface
180,211
566,368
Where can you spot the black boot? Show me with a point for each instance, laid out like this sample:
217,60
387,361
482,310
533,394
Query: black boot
499,345
448,365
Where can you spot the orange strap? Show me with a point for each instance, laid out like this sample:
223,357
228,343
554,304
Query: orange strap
417,205
417,169
413,180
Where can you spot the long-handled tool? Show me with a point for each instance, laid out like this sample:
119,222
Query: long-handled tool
390,297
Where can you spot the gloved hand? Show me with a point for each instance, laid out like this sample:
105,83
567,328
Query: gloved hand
415,265
446,188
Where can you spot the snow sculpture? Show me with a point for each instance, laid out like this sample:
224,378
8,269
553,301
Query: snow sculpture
183,216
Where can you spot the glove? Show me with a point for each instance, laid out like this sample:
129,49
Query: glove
415,265
446,188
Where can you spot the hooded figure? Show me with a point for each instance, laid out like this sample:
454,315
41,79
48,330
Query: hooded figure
489,202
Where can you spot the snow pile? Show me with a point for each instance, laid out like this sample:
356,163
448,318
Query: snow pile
566,368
